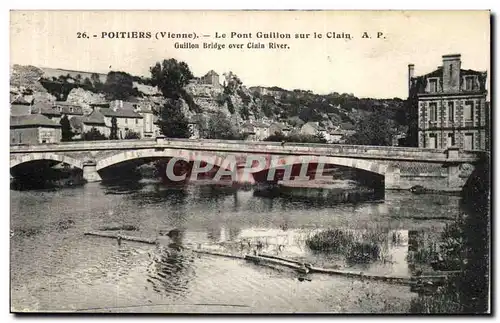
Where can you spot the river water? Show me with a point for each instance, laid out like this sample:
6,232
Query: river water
54,267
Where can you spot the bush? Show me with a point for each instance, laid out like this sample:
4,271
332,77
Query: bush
93,134
132,135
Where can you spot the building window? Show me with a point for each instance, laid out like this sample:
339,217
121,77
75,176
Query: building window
433,111
469,141
433,85
126,121
469,83
432,141
451,111
70,109
451,139
20,137
136,121
468,110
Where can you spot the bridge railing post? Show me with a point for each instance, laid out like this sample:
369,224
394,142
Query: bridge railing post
452,152
453,167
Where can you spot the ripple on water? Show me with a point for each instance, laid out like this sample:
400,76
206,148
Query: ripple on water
57,268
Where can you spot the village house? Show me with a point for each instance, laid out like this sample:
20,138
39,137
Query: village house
256,131
20,107
33,129
339,135
278,127
127,119
150,129
84,124
211,78
69,109
314,129
46,109
450,106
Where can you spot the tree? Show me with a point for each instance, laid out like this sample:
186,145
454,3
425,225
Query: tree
114,129
170,76
219,127
172,122
87,83
132,135
232,83
93,134
66,132
119,86
374,130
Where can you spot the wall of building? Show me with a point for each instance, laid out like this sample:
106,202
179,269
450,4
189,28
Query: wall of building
49,135
24,136
124,124
441,127
148,124
35,135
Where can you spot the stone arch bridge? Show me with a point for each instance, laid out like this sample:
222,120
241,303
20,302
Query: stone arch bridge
399,167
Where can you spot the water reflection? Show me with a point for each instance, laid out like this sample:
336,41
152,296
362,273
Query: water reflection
222,217
170,271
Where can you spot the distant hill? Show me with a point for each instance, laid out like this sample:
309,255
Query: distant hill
274,103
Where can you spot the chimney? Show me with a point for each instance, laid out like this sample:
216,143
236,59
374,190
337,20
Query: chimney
411,74
451,72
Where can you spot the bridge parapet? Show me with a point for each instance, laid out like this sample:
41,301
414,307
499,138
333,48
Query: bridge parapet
349,151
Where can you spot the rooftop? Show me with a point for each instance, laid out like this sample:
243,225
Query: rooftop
44,108
119,113
96,117
32,120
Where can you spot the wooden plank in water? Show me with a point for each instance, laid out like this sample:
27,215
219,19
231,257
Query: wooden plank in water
123,237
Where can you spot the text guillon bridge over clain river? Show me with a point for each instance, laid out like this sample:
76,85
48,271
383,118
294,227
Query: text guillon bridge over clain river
392,167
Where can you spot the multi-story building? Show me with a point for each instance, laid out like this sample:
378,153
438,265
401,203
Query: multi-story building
33,129
448,107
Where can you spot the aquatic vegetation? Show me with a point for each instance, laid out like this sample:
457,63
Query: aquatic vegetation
357,246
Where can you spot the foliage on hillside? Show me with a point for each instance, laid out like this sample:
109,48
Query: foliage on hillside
172,79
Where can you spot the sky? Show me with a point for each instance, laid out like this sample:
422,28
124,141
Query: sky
366,67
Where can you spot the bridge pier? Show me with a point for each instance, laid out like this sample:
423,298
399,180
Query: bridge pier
90,173
392,179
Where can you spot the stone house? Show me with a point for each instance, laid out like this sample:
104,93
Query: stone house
19,107
48,110
33,129
127,119
68,108
313,129
94,120
211,78
278,127
449,106
256,131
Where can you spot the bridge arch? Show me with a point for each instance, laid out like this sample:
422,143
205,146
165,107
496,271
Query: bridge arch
18,160
187,155
366,165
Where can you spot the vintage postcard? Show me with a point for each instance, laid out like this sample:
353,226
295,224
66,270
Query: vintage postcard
250,162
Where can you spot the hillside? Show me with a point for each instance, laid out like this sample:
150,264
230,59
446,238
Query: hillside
234,99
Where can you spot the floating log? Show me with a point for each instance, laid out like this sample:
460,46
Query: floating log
217,253
261,259
123,237
438,277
